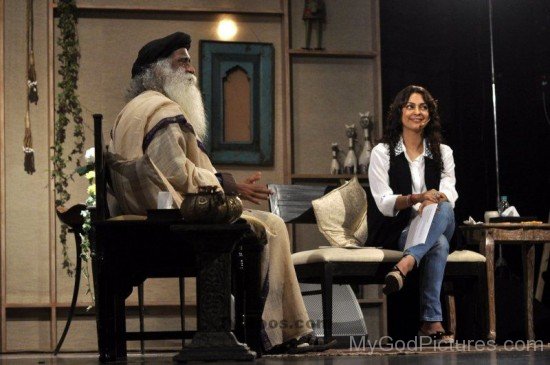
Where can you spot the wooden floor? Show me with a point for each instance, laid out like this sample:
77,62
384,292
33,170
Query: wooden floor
497,356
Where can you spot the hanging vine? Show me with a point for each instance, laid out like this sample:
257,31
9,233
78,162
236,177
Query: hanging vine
68,107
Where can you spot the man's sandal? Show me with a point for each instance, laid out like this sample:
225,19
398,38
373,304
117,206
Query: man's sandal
394,281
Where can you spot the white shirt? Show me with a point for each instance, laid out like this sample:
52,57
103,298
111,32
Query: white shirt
379,176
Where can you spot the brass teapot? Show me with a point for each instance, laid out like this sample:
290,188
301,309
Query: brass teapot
211,206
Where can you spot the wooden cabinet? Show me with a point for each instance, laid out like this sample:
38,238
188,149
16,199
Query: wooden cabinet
324,91
327,89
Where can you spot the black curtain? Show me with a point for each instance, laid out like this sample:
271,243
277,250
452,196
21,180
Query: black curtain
444,45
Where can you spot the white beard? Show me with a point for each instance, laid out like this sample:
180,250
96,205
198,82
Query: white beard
181,87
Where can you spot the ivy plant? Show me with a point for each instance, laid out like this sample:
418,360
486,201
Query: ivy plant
67,109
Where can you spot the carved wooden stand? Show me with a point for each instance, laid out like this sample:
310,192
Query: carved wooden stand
214,339
128,252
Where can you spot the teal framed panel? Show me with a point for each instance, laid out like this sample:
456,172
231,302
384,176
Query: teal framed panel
217,61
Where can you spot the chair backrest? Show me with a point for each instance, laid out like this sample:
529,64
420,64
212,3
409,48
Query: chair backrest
102,210
293,202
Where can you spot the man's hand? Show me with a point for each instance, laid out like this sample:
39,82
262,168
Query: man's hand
249,190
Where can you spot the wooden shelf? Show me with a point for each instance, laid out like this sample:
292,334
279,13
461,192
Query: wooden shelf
363,50
161,304
183,9
326,177
330,54
27,305
85,305
370,301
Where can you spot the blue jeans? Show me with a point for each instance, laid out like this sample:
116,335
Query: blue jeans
434,253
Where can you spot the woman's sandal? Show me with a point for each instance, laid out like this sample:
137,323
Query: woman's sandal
314,344
394,281
434,339
307,343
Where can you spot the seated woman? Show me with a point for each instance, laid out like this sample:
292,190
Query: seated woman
409,170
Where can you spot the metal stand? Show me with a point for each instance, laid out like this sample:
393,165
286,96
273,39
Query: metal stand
77,275
73,219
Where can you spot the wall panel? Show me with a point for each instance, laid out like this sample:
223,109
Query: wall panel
347,26
27,202
82,334
342,88
28,330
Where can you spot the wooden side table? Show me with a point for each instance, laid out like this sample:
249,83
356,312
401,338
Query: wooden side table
524,234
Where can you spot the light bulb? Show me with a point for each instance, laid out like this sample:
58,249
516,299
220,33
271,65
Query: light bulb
227,29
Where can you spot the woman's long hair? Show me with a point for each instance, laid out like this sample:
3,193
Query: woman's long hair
394,126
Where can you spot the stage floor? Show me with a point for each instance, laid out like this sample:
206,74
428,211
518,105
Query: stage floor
498,356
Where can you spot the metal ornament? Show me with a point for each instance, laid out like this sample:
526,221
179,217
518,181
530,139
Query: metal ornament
350,163
335,165
367,123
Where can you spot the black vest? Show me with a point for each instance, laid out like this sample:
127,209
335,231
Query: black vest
385,231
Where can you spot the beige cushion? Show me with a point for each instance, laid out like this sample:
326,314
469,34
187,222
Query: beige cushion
128,217
370,254
342,215
465,256
337,254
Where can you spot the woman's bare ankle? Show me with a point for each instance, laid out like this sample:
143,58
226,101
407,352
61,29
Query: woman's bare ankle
406,264
432,327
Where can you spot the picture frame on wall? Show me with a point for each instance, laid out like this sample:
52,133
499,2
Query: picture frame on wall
237,81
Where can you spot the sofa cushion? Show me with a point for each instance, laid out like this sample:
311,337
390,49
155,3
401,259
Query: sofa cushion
465,256
370,254
337,254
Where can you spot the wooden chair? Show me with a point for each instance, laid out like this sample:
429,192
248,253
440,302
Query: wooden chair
103,213
128,251
328,266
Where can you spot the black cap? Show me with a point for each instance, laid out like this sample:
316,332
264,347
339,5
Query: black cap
158,49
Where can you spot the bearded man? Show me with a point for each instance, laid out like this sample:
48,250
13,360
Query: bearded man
157,146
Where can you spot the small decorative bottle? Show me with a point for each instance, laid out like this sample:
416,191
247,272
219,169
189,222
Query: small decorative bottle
501,263
335,165
503,204
350,163
364,158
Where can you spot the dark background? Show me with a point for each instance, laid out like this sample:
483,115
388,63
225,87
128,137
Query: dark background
444,45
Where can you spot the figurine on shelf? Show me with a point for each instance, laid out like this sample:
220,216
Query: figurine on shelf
367,123
335,165
314,12
350,164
